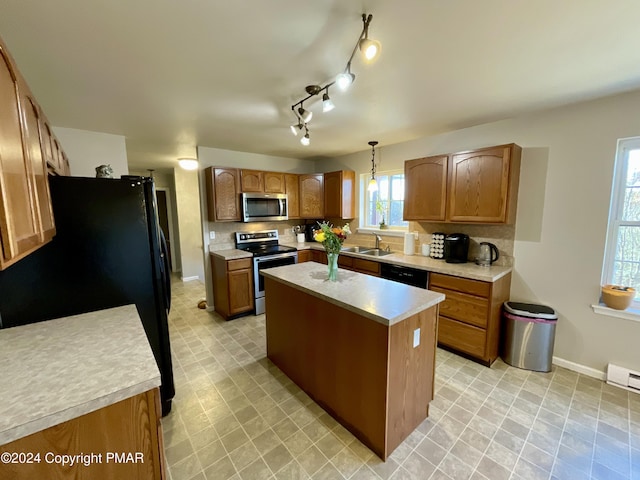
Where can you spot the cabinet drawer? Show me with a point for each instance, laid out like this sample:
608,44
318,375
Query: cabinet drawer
239,264
463,307
461,336
366,266
344,261
465,285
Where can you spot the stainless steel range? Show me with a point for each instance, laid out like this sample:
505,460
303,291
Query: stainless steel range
267,253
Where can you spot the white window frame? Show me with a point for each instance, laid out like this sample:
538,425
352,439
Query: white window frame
625,145
364,204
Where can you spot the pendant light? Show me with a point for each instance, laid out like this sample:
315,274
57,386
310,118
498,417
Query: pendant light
327,103
373,185
369,48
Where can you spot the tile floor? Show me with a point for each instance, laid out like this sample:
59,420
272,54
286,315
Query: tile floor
236,416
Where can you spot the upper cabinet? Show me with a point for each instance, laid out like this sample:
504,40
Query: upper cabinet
339,194
311,195
251,181
478,186
425,186
223,199
292,189
26,218
274,182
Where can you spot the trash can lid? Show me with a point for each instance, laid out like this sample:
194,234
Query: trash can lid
531,310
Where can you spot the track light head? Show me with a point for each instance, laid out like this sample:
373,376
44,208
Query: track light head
327,103
295,128
345,79
305,115
305,140
370,49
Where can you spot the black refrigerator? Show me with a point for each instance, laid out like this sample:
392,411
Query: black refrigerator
108,251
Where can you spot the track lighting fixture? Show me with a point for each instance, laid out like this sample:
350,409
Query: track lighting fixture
370,50
373,184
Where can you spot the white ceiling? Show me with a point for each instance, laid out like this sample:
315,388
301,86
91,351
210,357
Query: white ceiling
170,75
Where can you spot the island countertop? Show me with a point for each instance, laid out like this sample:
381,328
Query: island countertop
381,300
60,369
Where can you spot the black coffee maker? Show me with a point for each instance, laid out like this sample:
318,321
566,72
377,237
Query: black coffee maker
456,248
308,231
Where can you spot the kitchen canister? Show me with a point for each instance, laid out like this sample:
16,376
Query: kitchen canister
425,249
409,243
300,237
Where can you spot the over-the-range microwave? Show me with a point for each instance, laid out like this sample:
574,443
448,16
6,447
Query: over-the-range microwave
264,207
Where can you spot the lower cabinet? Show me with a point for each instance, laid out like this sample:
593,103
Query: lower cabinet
305,256
469,319
232,286
126,435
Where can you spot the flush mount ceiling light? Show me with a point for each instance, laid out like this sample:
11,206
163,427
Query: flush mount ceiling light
373,185
370,50
188,163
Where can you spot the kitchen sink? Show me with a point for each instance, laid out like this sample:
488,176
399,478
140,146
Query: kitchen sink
355,249
376,252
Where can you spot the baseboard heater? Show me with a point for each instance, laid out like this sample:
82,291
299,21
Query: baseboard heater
623,377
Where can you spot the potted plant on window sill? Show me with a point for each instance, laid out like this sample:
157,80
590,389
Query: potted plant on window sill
380,208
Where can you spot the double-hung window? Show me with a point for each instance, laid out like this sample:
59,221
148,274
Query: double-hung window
383,207
622,254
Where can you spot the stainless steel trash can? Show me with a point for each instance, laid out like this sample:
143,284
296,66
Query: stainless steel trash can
528,334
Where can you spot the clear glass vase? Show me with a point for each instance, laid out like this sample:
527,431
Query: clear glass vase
332,262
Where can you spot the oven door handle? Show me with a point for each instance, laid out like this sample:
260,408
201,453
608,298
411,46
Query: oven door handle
268,258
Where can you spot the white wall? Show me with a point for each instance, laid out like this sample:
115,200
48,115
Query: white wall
565,185
189,224
87,150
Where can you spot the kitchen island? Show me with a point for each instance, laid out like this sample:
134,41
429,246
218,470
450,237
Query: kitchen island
82,389
362,347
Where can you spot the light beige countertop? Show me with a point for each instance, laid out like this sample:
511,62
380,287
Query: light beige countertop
230,254
381,300
466,270
60,369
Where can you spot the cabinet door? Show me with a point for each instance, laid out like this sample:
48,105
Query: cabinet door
223,199
339,194
240,291
19,226
39,170
274,182
292,189
425,188
251,181
304,256
311,196
479,186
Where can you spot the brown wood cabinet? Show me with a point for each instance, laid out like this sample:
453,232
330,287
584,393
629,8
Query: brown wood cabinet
232,286
312,195
251,181
223,194
425,184
292,189
339,194
26,218
305,256
469,319
131,426
477,186
274,182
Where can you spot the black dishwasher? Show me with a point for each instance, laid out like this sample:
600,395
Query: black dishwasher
406,275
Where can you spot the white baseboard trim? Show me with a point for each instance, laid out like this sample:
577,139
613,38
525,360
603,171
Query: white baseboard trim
576,367
210,309
189,279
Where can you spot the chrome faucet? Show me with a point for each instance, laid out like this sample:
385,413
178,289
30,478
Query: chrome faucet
378,240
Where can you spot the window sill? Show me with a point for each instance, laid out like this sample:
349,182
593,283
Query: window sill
386,231
628,314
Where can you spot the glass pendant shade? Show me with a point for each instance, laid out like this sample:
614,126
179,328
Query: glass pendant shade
305,115
305,140
373,185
